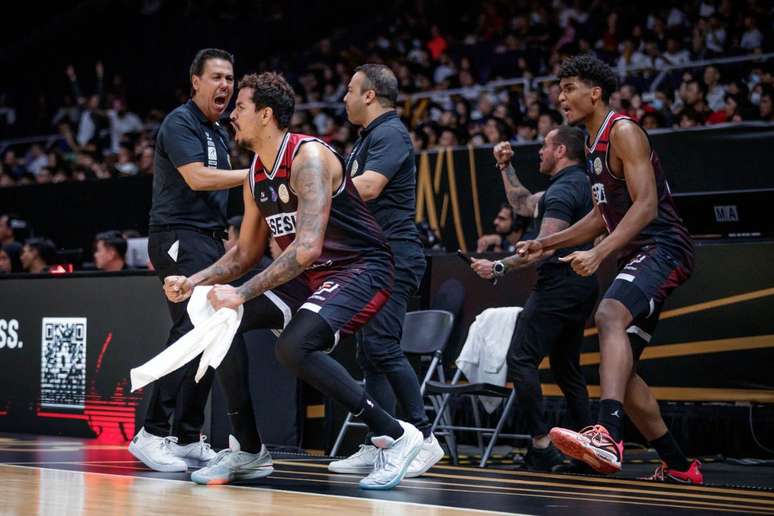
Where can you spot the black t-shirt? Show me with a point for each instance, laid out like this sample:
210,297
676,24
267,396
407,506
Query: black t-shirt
567,198
186,136
385,147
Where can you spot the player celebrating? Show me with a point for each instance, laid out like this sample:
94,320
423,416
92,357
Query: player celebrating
297,189
634,206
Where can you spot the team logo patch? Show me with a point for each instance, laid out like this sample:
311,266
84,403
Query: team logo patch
598,165
273,194
598,193
283,193
354,168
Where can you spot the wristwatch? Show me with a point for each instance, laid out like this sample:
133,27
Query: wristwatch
498,269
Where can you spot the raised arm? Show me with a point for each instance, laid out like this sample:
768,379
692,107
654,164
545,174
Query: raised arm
312,175
249,249
523,201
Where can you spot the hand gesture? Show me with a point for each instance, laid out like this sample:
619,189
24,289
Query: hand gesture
177,288
224,296
530,250
584,263
503,154
483,268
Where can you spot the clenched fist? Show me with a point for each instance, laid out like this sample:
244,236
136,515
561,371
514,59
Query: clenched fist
503,154
177,288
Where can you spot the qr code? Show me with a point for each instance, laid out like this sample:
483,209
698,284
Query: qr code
63,363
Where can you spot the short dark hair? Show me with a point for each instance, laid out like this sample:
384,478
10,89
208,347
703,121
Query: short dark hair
113,239
590,70
270,89
572,139
204,55
382,80
45,248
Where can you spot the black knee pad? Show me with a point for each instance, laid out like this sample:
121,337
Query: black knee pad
306,333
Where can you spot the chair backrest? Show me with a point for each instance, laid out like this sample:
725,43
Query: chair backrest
426,331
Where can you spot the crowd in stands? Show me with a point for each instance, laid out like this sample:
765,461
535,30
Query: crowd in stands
99,136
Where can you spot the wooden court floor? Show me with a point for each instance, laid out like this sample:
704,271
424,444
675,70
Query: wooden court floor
50,475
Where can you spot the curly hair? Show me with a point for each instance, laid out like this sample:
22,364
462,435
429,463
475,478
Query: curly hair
592,71
270,89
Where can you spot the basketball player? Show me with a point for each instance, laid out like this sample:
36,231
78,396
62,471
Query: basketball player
297,189
634,206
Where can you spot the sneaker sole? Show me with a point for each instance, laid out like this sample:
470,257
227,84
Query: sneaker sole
253,474
352,470
155,466
395,481
195,463
576,449
438,455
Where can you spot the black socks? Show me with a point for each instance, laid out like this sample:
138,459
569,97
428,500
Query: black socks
611,417
379,421
669,451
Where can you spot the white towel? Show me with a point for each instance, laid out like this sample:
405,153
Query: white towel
483,357
211,337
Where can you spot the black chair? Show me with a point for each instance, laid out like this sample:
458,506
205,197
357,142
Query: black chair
425,333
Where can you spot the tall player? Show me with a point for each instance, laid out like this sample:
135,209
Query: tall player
655,255
297,189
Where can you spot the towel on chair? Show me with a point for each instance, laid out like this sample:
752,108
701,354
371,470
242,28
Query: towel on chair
483,357
211,337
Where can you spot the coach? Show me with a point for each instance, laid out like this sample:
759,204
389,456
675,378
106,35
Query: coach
187,228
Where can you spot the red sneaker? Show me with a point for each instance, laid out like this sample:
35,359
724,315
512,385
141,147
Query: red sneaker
593,445
692,475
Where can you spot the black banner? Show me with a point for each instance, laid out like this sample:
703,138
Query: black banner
67,344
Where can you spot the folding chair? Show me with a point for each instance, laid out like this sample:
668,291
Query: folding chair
442,425
425,333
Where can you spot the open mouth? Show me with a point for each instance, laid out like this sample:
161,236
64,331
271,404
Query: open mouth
220,100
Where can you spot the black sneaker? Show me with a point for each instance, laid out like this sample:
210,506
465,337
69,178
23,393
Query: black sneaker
543,459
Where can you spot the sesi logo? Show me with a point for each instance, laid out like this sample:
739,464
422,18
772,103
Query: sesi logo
9,334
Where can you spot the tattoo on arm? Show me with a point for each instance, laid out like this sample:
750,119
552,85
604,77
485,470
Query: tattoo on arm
518,196
312,183
228,268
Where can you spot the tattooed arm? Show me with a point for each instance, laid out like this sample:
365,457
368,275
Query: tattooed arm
251,246
522,200
314,171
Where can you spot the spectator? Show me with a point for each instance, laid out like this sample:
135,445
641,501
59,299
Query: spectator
5,262
765,108
110,251
752,38
715,92
526,132
548,121
35,159
122,122
37,255
731,111
12,166
508,230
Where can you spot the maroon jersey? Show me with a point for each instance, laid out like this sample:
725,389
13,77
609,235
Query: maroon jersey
612,198
352,234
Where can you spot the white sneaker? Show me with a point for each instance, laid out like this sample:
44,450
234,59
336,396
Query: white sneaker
233,465
428,456
393,458
359,463
196,455
156,453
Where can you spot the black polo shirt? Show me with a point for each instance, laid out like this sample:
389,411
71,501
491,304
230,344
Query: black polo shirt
186,136
567,198
385,147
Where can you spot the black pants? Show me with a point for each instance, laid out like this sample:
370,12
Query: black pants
388,374
177,395
552,324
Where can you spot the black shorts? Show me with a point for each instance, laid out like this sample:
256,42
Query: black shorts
642,286
348,299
